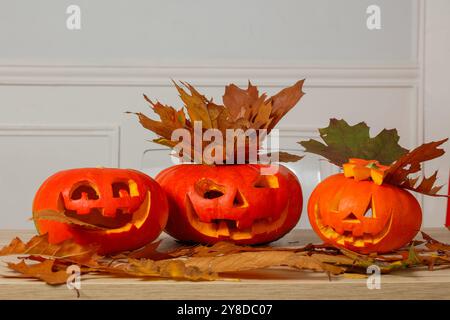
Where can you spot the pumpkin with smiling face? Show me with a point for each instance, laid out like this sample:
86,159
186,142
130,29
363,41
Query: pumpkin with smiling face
363,216
230,202
124,209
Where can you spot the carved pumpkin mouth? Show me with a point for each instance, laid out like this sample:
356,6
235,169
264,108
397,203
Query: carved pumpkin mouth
229,229
96,217
121,222
347,237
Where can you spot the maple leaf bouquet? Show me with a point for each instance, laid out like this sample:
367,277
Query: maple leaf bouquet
232,190
368,208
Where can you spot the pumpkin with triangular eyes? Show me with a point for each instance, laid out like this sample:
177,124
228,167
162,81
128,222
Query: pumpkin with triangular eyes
235,203
363,216
116,209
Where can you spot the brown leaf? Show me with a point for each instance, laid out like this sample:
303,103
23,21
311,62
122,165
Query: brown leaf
156,126
285,100
285,156
224,248
238,100
39,245
240,261
149,251
257,260
339,260
16,246
195,104
169,269
61,217
223,260
410,163
168,115
434,244
42,271
243,109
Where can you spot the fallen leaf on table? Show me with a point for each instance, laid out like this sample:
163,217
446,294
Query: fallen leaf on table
258,260
162,269
413,258
433,244
39,245
339,260
225,247
42,271
210,267
149,251
223,260
355,276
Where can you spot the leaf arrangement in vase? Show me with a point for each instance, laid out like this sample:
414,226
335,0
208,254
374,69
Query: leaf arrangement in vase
242,109
227,202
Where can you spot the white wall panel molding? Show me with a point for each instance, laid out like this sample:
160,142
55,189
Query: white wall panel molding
110,132
336,75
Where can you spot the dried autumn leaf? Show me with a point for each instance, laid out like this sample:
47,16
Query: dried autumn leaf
244,261
413,258
338,260
149,251
434,244
164,269
410,163
61,217
226,260
196,105
238,101
243,109
225,248
342,142
283,156
284,101
42,271
39,245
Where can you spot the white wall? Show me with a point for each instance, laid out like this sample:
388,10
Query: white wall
437,95
63,93
205,31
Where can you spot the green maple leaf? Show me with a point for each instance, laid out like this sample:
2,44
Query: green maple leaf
343,141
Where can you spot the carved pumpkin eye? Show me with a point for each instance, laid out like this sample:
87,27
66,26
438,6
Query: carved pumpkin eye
267,181
84,190
208,189
122,189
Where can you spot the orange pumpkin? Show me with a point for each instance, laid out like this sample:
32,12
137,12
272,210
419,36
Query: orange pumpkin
128,207
230,202
363,216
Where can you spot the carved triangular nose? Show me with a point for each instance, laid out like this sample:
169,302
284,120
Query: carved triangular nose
351,218
239,200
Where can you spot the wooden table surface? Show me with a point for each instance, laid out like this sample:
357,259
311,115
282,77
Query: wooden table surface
282,284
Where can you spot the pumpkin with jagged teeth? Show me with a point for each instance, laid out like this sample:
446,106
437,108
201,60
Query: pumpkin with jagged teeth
363,216
114,209
230,202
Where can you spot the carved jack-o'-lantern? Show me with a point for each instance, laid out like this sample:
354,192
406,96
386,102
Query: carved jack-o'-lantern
230,202
363,216
124,208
